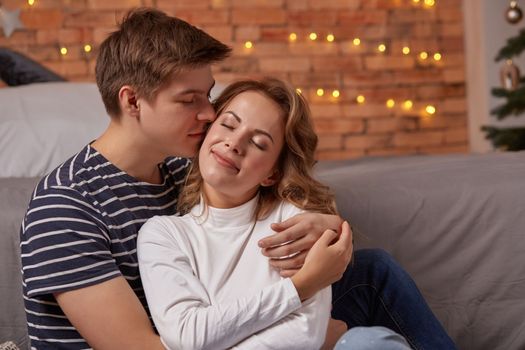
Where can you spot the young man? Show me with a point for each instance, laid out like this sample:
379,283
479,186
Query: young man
81,280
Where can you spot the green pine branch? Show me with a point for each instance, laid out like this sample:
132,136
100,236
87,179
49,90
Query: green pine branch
510,139
514,105
514,47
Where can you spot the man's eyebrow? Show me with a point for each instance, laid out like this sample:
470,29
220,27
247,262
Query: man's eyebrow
257,131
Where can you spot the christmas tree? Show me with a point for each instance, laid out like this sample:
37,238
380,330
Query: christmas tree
512,90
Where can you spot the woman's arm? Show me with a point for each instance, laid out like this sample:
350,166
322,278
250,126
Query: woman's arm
302,329
185,316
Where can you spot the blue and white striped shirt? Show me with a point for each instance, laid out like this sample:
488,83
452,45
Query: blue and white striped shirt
81,229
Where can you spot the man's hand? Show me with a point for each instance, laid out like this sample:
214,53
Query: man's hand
336,329
325,263
294,237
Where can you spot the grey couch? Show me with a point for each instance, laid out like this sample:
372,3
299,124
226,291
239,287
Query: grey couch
456,223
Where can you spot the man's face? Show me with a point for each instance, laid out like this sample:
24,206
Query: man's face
174,122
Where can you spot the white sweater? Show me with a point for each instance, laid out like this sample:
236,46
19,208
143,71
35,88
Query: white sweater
208,286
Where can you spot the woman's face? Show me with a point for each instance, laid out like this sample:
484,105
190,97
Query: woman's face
241,150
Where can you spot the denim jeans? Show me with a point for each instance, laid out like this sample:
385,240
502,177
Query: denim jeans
371,338
376,291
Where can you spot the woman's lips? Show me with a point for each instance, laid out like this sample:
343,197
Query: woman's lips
225,161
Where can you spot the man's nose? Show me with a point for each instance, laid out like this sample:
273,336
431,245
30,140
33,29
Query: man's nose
207,113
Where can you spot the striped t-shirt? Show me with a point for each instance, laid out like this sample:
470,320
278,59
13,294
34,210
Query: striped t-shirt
81,229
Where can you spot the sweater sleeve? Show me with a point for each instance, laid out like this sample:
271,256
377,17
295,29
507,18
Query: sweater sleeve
302,329
181,308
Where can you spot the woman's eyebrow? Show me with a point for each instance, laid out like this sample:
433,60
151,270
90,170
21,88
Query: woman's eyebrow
257,131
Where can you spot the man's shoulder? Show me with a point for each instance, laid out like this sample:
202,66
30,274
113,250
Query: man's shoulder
177,166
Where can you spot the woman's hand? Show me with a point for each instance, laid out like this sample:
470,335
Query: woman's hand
287,248
325,263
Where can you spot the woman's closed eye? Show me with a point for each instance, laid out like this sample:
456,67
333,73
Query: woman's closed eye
227,126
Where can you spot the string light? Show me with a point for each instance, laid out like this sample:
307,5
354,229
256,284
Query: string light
320,92
406,50
381,48
423,55
313,36
31,2
330,38
248,44
293,37
407,105
87,48
356,41
437,56
430,3
335,93
360,99
415,1
299,91
431,110
63,51
390,103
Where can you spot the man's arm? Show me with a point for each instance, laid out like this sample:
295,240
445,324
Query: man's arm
109,316
295,237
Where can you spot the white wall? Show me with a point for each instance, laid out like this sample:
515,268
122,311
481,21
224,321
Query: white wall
486,31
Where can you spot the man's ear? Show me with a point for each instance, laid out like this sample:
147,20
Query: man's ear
271,180
128,101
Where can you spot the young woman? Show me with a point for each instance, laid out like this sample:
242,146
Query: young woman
206,281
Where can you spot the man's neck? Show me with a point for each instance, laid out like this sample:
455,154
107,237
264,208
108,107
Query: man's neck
128,154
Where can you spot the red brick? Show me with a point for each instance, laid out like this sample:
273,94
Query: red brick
456,135
367,110
173,5
223,33
340,125
415,139
112,4
316,49
367,141
330,142
92,19
307,17
330,64
284,64
443,122
390,125
247,33
42,19
389,62
346,5
315,79
366,17
203,17
258,16
340,154
396,151
257,3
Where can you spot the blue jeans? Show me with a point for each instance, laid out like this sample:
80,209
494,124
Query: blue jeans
376,291
371,338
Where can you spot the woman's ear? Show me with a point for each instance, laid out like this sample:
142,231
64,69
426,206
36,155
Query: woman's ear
128,101
271,180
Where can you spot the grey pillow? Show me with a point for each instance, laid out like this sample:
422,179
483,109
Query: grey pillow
17,69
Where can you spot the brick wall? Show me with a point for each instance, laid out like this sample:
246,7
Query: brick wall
347,128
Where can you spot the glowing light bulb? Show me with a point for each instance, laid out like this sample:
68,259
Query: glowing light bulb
330,38
423,55
430,3
406,50
87,48
63,51
313,36
248,44
430,109
381,48
31,2
299,91
407,104
360,99
356,41
320,92
390,103
437,56
293,37
336,93
415,1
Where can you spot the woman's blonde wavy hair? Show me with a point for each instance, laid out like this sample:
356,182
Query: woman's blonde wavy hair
295,164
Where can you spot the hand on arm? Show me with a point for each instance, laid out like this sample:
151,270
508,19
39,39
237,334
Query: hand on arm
294,237
109,316
325,263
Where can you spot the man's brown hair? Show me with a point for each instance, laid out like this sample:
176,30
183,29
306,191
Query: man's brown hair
146,50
